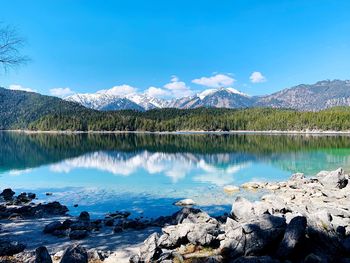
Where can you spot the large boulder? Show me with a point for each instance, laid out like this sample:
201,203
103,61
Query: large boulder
297,176
10,248
293,236
84,216
75,254
7,194
333,179
198,234
260,235
78,234
42,255
263,234
24,198
242,209
194,215
53,226
233,245
52,208
150,250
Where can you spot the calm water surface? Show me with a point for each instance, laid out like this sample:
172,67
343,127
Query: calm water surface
146,173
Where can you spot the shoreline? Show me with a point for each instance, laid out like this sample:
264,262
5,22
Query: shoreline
191,132
277,227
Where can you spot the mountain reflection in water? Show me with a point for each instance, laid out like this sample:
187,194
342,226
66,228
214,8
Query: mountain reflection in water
145,173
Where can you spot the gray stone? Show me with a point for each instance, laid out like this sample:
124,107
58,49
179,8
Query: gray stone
233,245
51,227
334,179
293,235
150,250
80,225
242,209
297,176
75,254
78,234
84,216
10,248
263,233
253,238
42,255
7,194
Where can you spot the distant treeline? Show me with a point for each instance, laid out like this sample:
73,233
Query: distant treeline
202,119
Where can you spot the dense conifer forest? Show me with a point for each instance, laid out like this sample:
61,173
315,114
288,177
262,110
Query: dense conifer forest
25,110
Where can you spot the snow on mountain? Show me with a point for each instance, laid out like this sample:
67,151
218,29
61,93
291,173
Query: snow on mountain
103,101
147,102
209,92
220,97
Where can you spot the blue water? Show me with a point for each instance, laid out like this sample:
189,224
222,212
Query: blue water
146,174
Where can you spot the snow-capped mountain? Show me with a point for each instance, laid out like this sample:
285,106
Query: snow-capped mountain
104,102
218,98
215,98
147,102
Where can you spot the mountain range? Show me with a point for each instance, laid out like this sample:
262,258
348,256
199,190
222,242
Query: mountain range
313,97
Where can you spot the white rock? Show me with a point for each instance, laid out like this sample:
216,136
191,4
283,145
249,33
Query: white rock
252,185
231,188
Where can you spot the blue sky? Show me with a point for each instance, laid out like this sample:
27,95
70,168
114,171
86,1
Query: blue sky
178,47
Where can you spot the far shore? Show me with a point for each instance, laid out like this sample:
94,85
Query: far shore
270,132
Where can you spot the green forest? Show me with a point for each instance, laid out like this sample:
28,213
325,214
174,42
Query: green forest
202,119
27,110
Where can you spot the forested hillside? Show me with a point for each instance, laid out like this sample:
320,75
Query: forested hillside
19,108
199,119
24,110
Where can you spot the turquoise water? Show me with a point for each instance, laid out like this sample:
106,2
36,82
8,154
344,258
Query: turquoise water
146,173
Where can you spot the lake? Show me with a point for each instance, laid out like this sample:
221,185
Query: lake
146,173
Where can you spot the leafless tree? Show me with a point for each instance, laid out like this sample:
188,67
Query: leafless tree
10,46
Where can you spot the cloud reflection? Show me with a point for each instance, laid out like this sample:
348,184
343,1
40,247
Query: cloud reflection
215,169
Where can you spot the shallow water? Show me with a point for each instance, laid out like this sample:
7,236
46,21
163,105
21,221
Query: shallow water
146,173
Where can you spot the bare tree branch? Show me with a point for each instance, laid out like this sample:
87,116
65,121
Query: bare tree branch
10,45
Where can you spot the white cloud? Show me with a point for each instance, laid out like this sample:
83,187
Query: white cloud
217,81
61,92
121,90
257,77
174,78
156,92
19,87
178,88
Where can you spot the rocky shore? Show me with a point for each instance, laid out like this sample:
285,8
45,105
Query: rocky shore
300,220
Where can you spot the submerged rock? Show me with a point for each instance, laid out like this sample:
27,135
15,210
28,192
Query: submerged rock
53,226
231,188
78,234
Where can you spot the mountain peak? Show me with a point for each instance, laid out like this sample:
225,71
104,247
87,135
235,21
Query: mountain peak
209,92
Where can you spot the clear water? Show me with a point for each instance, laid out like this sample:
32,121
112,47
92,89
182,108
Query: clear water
147,173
